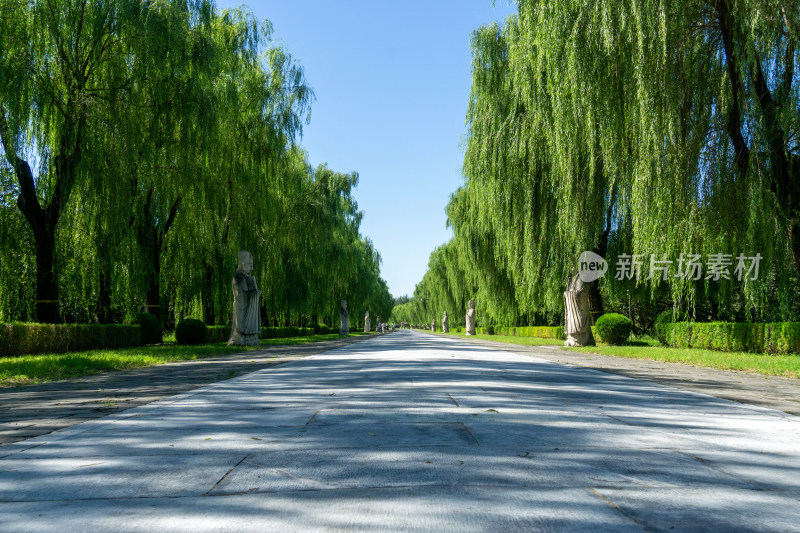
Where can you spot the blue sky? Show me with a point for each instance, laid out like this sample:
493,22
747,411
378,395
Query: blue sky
392,81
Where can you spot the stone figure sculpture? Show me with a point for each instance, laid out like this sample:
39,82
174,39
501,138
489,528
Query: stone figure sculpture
378,324
344,318
445,324
367,324
246,304
433,325
471,318
577,316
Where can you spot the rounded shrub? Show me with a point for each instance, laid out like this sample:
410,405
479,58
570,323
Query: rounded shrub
614,328
191,331
490,330
151,327
660,326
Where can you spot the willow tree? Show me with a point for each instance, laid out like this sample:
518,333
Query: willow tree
58,62
256,103
693,108
76,78
641,127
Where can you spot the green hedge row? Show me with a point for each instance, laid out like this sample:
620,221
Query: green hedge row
28,339
223,333
777,337
543,332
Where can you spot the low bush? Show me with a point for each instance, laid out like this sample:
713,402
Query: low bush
776,338
191,331
31,338
662,320
151,327
490,330
218,333
287,331
223,333
543,332
659,326
613,328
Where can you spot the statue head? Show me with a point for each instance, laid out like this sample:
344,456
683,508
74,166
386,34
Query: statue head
245,262
445,314
343,305
366,315
471,304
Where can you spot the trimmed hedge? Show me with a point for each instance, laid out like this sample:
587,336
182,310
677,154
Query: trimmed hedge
151,327
218,333
776,337
613,328
191,331
543,332
290,331
31,338
223,333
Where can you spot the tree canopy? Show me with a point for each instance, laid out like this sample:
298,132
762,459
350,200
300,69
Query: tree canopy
637,128
143,144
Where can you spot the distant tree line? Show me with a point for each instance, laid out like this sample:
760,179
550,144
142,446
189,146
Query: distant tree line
143,145
636,130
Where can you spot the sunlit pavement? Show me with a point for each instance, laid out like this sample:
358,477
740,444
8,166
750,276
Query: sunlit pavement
414,432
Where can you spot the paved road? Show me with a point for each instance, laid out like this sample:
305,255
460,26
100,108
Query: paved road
782,394
417,433
35,410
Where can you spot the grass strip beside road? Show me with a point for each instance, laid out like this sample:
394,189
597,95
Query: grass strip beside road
787,366
31,369
525,341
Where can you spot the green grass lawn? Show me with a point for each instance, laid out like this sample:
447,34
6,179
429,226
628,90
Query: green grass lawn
526,341
767,364
30,369
646,347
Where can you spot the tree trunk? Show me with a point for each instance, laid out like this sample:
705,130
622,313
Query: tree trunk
47,309
151,241
153,294
43,221
794,241
209,314
104,295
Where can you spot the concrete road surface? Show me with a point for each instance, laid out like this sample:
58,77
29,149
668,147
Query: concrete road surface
414,432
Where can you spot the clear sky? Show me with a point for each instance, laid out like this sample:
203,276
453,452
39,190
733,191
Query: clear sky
392,81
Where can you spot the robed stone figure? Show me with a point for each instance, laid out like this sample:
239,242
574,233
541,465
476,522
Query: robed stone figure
433,325
577,316
367,324
246,304
445,324
471,318
344,318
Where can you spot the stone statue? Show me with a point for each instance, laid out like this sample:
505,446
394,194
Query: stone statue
367,324
445,325
378,323
246,304
433,325
471,318
577,318
344,319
